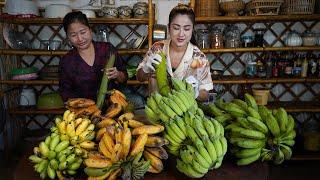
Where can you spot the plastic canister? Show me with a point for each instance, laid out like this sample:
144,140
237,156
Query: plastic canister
27,97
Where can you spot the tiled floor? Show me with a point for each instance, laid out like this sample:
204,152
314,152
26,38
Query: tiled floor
291,170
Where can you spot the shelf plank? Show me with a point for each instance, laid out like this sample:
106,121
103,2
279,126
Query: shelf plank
298,106
253,19
260,49
143,51
245,80
58,21
221,80
61,52
291,107
33,110
54,82
305,156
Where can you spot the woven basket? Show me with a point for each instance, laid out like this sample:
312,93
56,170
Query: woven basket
207,8
231,8
264,7
299,6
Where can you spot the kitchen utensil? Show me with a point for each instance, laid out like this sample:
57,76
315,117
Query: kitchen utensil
124,12
23,70
21,7
51,100
30,76
88,12
56,10
15,39
159,32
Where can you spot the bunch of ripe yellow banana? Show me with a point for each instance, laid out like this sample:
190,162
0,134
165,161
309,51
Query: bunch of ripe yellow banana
128,146
55,157
79,131
256,132
198,142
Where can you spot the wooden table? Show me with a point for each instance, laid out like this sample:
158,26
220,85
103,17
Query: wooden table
227,171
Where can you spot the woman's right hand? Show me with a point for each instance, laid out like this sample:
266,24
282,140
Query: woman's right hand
151,62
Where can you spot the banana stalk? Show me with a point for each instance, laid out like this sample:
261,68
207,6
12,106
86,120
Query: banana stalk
104,83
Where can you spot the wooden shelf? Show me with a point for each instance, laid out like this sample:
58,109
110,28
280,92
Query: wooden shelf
260,49
33,110
58,21
54,82
290,107
61,52
246,80
298,106
143,51
305,156
253,19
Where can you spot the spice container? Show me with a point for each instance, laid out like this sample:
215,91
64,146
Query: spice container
216,38
203,38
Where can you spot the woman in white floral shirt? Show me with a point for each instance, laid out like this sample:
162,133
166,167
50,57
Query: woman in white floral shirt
184,59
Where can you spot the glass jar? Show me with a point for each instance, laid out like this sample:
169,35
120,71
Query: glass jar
251,65
309,38
216,38
203,39
232,36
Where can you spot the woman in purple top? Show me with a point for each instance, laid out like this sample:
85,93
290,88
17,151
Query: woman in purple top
81,69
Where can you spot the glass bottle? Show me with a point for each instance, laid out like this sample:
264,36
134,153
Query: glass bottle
275,70
312,68
261,71
258,37
269,67
304,68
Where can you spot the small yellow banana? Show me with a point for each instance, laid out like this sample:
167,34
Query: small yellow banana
62,126
81,127
155,161
70,130
87,145
134,123
147,129
71,117
77,122
66,114
139,144
100,133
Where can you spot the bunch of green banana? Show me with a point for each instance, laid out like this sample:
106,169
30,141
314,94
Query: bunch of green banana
160,108
257,132
55,155
79,131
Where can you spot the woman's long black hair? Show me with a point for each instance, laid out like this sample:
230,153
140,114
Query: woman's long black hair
182,9
75,16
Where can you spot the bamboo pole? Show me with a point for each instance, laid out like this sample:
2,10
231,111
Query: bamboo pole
150,23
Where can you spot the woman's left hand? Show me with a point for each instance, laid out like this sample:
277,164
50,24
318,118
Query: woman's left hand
112,73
